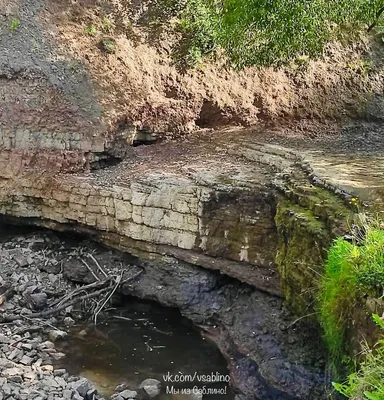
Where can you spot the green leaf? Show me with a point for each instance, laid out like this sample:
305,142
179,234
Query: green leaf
378,320
372,396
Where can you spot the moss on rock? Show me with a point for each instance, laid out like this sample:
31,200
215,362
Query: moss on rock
307,219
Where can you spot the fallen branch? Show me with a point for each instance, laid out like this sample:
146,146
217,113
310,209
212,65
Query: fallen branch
131,277
299,319
98,265
49,313
118,281
90,269
122,318
74,298
75,292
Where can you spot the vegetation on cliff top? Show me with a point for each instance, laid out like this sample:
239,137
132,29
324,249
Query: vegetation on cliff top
267,32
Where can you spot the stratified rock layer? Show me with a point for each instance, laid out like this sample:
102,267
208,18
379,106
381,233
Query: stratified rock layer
248,209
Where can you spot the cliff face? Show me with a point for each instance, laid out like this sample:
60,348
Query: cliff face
253,211
65,105
259,205
195,212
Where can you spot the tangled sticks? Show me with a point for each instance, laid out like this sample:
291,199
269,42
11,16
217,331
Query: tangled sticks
101,289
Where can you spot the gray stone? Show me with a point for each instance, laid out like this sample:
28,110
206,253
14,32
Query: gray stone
15,378
68,321
128,394
56,335
21,260
121,387
4,363
82,386
25,360
27,346
59,372
77,396
39,300
46,345
91,394
67,394
30,375
151,386
4,339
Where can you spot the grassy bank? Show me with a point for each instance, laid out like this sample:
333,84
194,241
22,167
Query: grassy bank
354,272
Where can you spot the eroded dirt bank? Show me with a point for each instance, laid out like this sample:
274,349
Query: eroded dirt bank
269,357
54,74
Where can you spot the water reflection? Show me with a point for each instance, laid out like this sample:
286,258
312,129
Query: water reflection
141,341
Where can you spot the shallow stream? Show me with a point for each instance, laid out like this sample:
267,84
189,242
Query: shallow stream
144,340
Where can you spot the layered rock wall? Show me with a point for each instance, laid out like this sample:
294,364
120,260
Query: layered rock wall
232,230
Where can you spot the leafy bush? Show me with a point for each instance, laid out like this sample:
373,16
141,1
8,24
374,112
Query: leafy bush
352,270
198,24
368,382
272,32
266,32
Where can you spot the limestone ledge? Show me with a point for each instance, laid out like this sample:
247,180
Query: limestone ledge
25,139
160,215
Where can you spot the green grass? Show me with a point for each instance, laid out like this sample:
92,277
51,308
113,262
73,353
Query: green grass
338,296
15,24
108,45
107,25
368,382
90,30
353,269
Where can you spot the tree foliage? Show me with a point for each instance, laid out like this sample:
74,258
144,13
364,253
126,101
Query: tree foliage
267,32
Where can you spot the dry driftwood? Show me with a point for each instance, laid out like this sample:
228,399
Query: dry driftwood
53,311
85,288
98,265
94,290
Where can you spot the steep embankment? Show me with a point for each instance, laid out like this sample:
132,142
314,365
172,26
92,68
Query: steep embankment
56,50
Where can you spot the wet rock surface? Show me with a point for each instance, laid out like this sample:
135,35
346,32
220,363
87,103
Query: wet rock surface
269,356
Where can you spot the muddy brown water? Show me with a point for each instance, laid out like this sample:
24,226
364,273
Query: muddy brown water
144,340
